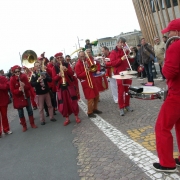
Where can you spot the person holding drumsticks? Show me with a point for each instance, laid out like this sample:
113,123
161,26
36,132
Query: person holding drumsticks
120,63
169,115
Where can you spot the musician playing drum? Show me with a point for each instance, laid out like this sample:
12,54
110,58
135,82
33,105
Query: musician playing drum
19,86
88,84
169,115
119,63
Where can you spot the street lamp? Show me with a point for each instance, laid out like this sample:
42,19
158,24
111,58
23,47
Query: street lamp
79,40
64,52
76,47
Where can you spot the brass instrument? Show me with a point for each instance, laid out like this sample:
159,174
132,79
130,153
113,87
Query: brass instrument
20,82
62,74
92,67
28,58
170,40
86,68
131,54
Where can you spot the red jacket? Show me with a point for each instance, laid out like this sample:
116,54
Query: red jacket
89,93
14,85
4,86
58,79
171,68
49,70
116,62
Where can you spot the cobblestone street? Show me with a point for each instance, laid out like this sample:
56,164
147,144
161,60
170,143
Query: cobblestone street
99,158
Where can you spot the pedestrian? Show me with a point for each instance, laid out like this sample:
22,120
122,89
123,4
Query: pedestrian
147,60
159,49
169,115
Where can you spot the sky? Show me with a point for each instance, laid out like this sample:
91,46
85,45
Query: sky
53,26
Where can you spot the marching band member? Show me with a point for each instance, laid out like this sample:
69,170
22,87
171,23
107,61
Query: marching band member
75,80
109,73
119,63
4,101
88,84
66,93
20,86
169,115
40,80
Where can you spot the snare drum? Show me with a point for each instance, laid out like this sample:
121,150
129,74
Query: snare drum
149,93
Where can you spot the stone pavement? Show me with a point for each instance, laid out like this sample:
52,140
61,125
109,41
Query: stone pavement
99,158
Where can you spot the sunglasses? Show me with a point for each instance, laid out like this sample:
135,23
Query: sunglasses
16,71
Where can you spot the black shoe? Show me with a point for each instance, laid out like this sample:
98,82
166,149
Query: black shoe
97,112
177,162
92,115
43,123
53,120
47,114
160,168
54,113
34,108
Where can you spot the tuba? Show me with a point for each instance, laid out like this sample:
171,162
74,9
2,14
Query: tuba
28,59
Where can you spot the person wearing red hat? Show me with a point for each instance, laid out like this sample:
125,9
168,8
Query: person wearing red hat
4,101
88,83
20,86
169,115
119,63
66,93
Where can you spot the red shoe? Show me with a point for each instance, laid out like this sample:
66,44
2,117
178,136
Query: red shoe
78,120
24,128
33,126
66,122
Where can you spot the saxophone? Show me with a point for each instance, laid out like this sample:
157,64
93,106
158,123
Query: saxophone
62,74
20,82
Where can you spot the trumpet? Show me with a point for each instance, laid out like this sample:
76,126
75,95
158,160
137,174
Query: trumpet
101,60
20,82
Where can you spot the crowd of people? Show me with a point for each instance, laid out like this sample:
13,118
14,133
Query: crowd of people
53,84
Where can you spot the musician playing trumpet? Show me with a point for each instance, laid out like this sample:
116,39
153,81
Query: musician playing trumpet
19,86
66,91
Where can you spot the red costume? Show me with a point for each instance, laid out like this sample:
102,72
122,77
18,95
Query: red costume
17,94
4,100
101,81
91,94
169,114
66,94
120,65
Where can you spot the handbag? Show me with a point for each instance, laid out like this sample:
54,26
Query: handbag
19,102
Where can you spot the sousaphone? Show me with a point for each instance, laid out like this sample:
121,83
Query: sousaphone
29,57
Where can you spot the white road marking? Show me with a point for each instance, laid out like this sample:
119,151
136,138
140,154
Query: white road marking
134,151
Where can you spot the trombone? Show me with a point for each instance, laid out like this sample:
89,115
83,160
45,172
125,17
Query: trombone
131,54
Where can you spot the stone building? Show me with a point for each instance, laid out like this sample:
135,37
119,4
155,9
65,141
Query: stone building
154,15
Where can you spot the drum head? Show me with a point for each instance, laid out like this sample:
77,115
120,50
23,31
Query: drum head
150,90
122,77
128,72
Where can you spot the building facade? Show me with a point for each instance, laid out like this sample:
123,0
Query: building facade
132,38
154,15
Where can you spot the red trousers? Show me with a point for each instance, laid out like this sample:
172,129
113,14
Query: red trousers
169,116
123,97
4,124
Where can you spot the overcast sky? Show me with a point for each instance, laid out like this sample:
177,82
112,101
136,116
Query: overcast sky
53,25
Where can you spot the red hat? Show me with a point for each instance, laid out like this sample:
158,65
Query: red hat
15,67
60,54
40,58
174,25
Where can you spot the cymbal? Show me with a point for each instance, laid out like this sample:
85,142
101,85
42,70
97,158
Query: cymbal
122,77
128,72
